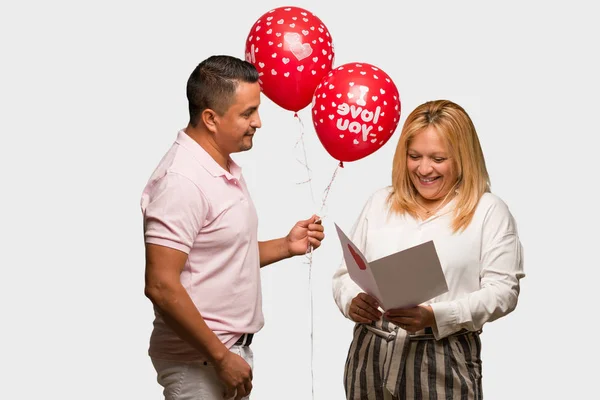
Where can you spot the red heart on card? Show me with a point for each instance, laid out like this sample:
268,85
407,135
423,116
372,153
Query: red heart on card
359,261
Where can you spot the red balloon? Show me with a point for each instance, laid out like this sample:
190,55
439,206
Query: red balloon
292,51
355,111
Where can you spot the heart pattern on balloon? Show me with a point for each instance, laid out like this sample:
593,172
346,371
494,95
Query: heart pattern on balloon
282,45
366,115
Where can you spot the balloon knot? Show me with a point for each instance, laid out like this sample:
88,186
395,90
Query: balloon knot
341,164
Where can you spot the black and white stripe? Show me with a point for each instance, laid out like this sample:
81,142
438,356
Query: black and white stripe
429,370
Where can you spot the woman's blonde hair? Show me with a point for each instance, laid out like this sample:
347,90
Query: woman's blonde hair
455,127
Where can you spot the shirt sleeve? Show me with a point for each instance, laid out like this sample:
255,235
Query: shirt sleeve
344,288
501,268
174,211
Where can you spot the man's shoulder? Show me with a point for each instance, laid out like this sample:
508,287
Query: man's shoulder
183,163
177,164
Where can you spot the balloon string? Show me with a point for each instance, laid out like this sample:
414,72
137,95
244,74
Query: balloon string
305,162
310,250
309,255
328,188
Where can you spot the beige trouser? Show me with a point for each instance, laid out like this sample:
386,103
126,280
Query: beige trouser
194,380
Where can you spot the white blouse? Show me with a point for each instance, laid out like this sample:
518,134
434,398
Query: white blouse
482,264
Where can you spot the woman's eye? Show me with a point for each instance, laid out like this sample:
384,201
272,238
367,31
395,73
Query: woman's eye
413,156
439,160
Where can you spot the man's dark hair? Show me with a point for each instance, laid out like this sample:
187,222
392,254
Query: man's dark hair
213,83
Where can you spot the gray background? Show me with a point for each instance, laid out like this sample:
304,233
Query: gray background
92,95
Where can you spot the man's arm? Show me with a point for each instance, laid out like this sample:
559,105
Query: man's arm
304,234
164,289
272,251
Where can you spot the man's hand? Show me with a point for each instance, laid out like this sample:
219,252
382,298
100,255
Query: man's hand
412,319
363,309
236,375
305,233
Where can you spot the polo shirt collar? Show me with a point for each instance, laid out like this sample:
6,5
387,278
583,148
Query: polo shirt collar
206,160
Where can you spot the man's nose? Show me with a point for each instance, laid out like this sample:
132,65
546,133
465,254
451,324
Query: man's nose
257,123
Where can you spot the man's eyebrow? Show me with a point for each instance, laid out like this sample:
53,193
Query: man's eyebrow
251,108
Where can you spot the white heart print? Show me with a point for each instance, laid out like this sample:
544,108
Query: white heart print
299,50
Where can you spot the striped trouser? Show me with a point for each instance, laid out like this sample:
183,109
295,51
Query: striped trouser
420,368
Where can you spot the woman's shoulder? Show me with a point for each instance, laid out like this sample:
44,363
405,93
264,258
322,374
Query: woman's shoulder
490,201
493,208
379,198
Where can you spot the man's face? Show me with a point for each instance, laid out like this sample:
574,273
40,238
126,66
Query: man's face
236,127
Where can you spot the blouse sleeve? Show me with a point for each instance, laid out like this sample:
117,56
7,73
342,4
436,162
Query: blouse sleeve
501,268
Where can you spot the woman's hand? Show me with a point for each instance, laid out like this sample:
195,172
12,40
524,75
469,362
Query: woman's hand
411,319
363,309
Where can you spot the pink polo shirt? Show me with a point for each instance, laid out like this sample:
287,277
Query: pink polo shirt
193,205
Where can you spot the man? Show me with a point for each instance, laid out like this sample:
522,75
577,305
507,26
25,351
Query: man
203,258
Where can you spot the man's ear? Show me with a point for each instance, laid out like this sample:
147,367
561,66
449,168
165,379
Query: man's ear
209,118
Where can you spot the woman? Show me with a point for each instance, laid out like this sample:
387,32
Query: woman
440,191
